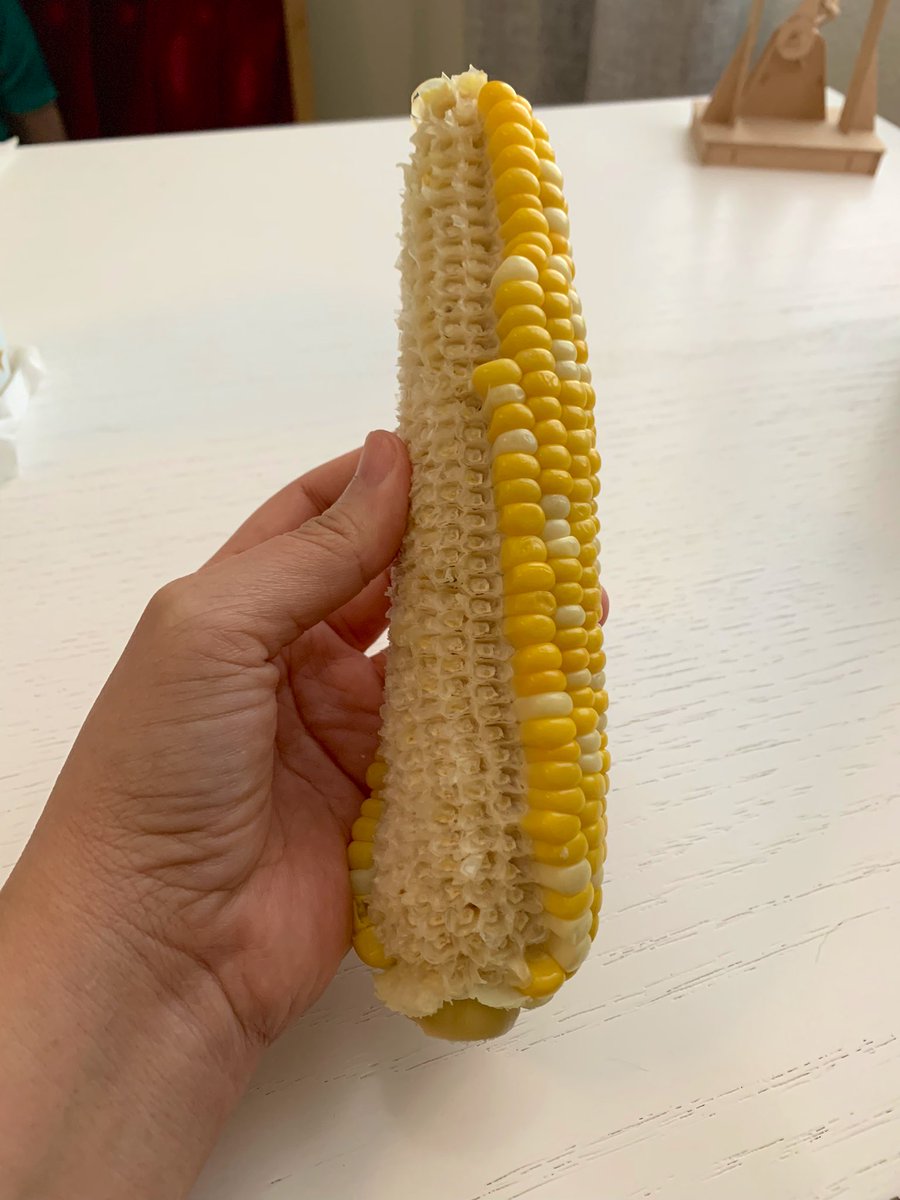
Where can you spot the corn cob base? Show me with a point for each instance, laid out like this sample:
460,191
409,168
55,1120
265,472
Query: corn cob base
477,862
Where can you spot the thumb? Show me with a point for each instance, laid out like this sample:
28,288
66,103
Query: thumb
279,589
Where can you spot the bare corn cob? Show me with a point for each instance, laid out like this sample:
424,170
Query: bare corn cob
477,862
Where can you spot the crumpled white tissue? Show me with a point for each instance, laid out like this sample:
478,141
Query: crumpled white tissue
21,372
7,150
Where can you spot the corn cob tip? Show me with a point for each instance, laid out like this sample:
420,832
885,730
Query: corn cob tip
468,1021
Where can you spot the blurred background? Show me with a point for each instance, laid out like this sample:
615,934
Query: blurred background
143,66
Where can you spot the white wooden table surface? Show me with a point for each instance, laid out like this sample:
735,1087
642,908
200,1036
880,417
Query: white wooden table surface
216,315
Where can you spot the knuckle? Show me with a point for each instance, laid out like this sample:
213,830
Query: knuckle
175,606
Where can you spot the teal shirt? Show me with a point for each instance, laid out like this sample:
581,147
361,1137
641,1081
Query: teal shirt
25,83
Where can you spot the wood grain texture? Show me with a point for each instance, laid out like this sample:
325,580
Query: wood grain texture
736,1033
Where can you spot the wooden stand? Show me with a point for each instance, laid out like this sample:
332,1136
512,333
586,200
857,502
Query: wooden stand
775,115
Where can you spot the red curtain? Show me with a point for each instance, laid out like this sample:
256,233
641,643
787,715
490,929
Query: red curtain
154,66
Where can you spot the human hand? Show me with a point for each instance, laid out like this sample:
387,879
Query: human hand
212,788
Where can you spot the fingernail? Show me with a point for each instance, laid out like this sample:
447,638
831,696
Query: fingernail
377,459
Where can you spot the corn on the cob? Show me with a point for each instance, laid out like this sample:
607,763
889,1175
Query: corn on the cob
477,862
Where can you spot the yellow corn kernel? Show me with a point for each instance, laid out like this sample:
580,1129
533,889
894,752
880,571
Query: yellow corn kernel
579,440
522,603
544,732
515,551
497,372
493,92
574,419
585,720
588,552
558,241
517,156
523,338
550,433
520,314
555,854
546,976
570,639
520,520
554,458
524,220
581,489
517,491
506,110
560,329
555,482
552,281
536,682
556,828
590,813
568,593
592,599
509,133
513,293
575,660
542,657
371,808
541,383
535,359
533,246
601,702
557,304
543,149
512,204
360,855
370,949
528,577
528,631
592,787
551,195
566,570
550,775
515,466
581,350
510,416
544,408
562,800
375,775
567,907
364,828
592,835
594,460
516,180
570,752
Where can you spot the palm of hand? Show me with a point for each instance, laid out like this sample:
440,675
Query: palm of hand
295,902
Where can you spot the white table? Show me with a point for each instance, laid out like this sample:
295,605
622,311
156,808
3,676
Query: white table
216,315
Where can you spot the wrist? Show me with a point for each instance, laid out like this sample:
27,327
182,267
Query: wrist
122,1057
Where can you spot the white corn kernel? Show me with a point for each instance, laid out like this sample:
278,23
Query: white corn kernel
556,262
558,527
568,881
589,742
564,547
558,220
598,681
584,373
578,679
591,764
517,266
569,957
578,326
514,441
361,881
569,930
569,370
569,615
551,172
563,351
556,506
575,301
544,704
